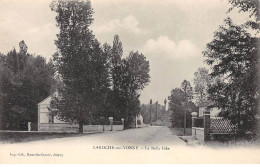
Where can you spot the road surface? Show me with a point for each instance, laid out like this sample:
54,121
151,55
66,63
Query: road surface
143,145
141,136
115,146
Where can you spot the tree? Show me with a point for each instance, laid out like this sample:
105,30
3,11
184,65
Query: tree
25,81
2,69
116,60
251,6
134,76
187,89
202,81
233,56
176,102
115,72
145,112
82,64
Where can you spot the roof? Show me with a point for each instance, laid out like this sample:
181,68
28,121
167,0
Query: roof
47,98
44,100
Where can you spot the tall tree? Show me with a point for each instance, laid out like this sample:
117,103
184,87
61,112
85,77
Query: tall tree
81,63
25,81
188,94
233,55
2,70
116,72
187,89
134,76
179,105
202,80
145,112
253,8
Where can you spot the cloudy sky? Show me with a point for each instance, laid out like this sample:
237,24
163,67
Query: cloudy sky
170,33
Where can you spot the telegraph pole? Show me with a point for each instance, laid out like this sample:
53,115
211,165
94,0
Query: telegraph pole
156,112
185,121
151,112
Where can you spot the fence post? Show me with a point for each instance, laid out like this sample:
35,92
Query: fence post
103,122
123,123
193,119
29,126
206,125
111,123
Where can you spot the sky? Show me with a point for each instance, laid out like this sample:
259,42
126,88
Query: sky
171,33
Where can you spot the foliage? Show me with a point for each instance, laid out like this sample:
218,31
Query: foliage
187,89
202,81
251,6
179,105
129,75
82,64
25,81
233,55
134,76
146,110
116,60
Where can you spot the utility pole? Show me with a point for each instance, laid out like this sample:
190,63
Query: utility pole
184,122
156,112
151,102
185,91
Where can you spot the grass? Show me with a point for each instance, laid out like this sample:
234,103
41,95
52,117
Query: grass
234,143
17,137
180,131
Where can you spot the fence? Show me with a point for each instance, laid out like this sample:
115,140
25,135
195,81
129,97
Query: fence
203,128
220,125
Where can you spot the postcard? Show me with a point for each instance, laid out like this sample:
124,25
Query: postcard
129,82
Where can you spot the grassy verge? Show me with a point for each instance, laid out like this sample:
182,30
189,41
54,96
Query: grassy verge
234,142
16,137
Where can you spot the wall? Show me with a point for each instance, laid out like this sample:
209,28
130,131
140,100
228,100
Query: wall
61,126
198,133
43,111
64,127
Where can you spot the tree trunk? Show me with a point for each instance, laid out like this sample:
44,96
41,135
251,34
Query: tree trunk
80,127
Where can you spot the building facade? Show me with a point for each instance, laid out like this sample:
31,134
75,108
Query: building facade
214,111
49,122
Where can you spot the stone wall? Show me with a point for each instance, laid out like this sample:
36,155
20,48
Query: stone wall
63,127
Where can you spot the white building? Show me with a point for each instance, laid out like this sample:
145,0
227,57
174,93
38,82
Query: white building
214,111
48,122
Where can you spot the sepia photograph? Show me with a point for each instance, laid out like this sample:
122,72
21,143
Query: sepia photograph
129,82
